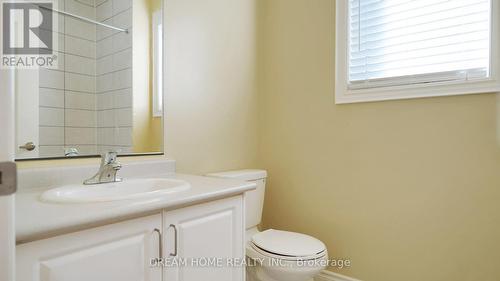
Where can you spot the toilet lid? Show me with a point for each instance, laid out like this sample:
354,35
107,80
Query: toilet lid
286,243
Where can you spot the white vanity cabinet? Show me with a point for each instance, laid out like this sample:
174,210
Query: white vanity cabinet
206,237
120,251
203,233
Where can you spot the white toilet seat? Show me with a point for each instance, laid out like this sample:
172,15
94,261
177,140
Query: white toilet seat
287,245
267,254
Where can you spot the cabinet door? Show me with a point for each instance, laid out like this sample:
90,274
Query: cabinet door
199,236
120,251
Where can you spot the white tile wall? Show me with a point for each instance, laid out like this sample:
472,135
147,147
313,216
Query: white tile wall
80,8
121,5
122,79
120,149
99,2
80,65
114,77
104,83
115,136
103,32
51,136
60,61
105,47
123,98
81,47
105,136
80,29
51,116
51,151
80,118
113,62
115,99
86,149
79,100
51,79
121,59
104,65
79,82
105,101
104,11
123,136
51,98
87,103
106,118
122,19
87,2
123,117
122,41
61,23
80,136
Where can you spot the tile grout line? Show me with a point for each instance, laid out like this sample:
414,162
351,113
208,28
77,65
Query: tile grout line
86,127
96,115
114,90
84,109
68,35
69,72
114,15
114,52
67,90
64,84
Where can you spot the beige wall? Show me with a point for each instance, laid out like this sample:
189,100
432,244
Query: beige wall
408,190
211,100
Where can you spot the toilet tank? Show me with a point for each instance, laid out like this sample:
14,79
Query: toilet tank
254,199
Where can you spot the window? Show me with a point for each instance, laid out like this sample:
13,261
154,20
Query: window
396,49
157,64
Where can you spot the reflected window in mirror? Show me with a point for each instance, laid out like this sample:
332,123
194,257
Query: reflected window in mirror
157,27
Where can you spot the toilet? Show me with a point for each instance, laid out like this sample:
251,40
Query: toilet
275,255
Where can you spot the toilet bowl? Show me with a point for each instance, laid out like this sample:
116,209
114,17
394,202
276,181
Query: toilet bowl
275,255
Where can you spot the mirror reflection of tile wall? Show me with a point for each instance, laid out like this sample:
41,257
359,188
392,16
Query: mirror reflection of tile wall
87,102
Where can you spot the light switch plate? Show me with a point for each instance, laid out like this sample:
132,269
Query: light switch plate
8,178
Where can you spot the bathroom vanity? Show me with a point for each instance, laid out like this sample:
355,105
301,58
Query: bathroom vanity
127,239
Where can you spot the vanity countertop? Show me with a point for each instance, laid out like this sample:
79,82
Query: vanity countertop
37,220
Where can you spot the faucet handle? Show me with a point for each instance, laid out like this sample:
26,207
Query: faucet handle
110,157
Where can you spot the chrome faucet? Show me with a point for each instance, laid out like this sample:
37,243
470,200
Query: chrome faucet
107,171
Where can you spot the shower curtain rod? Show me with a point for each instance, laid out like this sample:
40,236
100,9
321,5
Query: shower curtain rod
84,19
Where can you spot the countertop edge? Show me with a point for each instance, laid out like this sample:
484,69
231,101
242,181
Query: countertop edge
26,235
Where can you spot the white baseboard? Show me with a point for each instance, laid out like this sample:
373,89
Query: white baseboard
332,276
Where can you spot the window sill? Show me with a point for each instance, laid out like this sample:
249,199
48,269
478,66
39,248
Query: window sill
343,95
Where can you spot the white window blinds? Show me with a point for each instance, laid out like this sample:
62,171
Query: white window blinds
400,42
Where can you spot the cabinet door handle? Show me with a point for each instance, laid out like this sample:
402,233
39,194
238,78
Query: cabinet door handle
29,146
174,254
160,243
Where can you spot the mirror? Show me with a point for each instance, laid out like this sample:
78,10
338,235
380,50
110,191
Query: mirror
104,93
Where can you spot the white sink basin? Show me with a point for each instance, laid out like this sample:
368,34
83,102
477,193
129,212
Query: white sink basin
128,189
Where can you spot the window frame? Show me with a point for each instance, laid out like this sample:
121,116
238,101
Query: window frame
344,94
